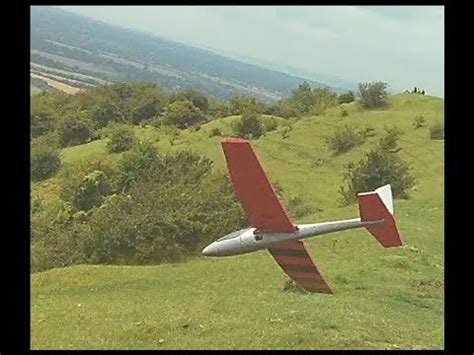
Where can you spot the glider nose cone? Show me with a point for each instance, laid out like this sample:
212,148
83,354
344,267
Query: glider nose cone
210,250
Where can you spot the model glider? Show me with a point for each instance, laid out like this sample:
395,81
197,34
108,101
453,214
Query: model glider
272,229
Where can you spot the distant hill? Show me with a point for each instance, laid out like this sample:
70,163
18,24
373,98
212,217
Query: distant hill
83,52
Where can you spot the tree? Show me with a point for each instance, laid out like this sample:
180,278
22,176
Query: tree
131,102
218,109
141,161
74,129
42,119
44,161
303,97
92,191
323,98
182,114
373,95
121,138
198,99
249,125
239,104
379,167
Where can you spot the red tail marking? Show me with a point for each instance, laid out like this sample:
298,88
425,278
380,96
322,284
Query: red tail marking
372,208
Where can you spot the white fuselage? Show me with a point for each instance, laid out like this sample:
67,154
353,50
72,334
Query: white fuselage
249,240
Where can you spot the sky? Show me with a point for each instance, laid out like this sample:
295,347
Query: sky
402,45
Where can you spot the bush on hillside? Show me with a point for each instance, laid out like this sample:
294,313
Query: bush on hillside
215,132
240,104
367,131
343,139
285,131
346,97
270,124
141,161
298,208
92,191
249,125
60,246
286,108
419,122
44,162
121,137
389,141
42,120
437,131
197,99
182,114
131,102
373,95
379,167
74,129
323,98
218,109
162,221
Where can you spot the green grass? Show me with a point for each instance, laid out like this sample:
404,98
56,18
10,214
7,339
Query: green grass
384,298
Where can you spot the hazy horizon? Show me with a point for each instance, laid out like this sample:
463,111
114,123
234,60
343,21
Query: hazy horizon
402,45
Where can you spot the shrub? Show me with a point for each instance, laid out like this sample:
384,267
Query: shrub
121,137
215,132
162,221
373,95
269,124
298,208
92,191
389,141
197,99
74,129
343,139
238,105
367,131
131,102
61,246
379,167
42,120
139,162
249,125
346,98
44,162
285,131
344,113
419,122
437,131
182,114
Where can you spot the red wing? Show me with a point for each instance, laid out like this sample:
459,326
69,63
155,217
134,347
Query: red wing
257,196
297,264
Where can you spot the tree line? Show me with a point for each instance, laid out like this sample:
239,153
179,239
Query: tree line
146,207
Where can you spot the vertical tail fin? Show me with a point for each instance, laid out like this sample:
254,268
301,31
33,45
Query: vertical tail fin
378,205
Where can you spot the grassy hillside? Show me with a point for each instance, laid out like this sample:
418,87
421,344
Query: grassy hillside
383,298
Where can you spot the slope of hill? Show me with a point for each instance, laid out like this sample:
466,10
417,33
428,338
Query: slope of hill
384,298
72,46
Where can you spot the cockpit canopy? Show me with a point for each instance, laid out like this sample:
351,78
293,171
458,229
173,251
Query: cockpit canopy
233,234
